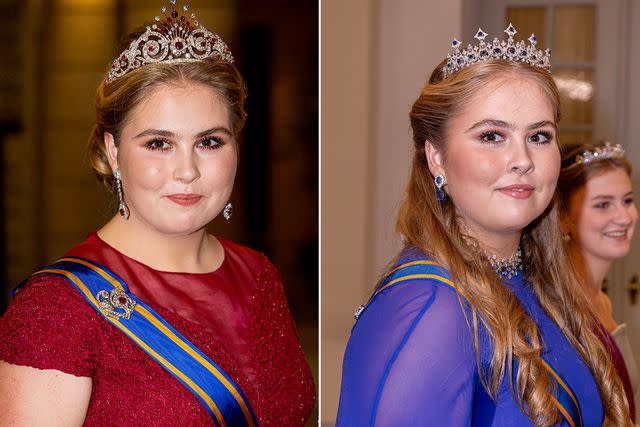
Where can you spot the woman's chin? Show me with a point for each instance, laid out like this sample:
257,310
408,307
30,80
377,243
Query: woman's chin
179,225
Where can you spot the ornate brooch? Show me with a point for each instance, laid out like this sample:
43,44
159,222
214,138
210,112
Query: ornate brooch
117,299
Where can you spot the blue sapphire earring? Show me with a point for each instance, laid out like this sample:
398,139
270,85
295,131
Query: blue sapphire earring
440,182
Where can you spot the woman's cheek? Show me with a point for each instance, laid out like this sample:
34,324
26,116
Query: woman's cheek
151,176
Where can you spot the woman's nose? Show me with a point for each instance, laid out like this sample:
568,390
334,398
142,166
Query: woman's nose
520,160
186,167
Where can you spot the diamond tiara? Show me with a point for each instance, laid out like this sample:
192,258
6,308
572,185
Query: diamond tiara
606,151
176,38
498,49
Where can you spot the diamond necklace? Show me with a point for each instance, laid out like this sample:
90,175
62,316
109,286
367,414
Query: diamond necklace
506,267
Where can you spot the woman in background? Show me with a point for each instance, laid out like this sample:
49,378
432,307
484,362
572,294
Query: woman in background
479,321
151,320
598,220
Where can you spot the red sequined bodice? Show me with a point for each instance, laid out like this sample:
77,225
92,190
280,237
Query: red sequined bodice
237,315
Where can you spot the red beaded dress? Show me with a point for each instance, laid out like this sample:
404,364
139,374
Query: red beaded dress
237,315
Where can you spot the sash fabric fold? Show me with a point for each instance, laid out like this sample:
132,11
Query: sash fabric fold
424,269
219,394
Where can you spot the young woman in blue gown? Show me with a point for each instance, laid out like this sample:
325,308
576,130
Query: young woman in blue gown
479,321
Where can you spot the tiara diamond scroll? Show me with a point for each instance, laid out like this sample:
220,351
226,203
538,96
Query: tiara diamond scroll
498,49
176,38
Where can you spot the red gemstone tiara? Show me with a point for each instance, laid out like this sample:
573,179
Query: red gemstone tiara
176,38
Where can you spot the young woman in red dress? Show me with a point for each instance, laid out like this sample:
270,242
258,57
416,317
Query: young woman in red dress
151,320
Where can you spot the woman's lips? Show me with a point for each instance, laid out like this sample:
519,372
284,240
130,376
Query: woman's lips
185,199
517,191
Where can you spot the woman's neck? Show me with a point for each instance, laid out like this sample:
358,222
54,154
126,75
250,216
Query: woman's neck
502,246
197,252
591,271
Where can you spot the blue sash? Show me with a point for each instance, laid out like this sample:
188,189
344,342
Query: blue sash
424,269
109,295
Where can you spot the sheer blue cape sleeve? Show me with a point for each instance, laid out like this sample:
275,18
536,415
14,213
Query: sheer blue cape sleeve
411,361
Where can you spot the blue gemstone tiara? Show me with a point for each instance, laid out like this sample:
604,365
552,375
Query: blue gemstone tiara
508,50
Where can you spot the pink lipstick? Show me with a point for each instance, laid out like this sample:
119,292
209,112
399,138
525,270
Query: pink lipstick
517,191
185,199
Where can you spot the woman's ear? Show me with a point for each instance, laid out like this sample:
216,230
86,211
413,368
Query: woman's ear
565,225
111,150
434,158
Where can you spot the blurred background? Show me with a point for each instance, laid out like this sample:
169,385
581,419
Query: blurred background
54,54
376,57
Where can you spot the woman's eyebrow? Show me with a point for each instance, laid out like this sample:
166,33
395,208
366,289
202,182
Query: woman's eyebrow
214,130
541,124
168,134
155,132
491,123
511,126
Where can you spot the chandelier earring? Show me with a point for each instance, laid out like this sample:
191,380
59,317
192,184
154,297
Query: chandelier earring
440,182
227,211
122,206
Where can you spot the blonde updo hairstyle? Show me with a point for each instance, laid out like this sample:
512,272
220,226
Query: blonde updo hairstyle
115,101
435,228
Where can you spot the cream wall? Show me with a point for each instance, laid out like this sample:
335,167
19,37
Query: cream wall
346,160
631,105
629,132
376,56
413,39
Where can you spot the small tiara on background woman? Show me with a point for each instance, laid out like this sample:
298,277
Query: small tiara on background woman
176,38
606,151
498,49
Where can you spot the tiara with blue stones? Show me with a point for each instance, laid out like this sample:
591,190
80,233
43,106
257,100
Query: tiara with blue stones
606,151
498,49
176,38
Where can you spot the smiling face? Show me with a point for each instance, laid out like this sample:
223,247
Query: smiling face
177,158
602,216
500,159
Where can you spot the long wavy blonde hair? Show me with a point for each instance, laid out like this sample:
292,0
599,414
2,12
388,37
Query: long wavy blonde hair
435,229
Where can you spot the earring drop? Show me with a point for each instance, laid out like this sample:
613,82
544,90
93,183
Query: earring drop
228,211
122,207
439,181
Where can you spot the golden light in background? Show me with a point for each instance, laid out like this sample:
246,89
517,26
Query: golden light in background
575,89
